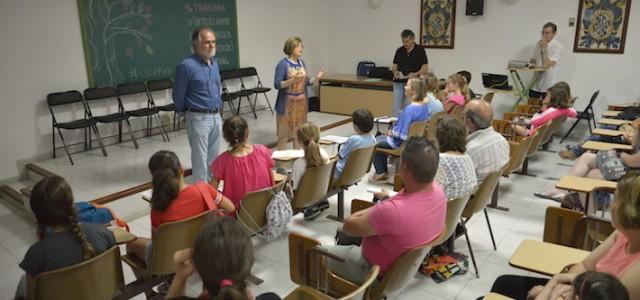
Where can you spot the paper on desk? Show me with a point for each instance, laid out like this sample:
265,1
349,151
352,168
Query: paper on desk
279,154
372,79
334,138
146,195
374,190
386,120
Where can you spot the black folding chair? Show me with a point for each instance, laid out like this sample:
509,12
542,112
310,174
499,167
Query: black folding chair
228,95
150,112
161,85
258,89
70,97
106,93
586,114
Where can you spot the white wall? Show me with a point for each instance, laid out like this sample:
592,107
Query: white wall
507,30
42,52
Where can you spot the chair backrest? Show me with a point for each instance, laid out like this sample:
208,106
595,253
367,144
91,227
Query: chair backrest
590,232
527,109
131,88
560,224
517,154
489,97
313,185
357,166
417,128
593,99
432,125
360,292
401,272
537,139
253,206
160,84
535,101
454,212
96,278
100,93
171,237
503,127
482,197
230,74
62,98
248,72
457,112
553,127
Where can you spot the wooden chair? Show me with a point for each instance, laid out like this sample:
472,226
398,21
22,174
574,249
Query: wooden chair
590,232
553,128
478,202
169,238
586,185
522,110
306,292
517,154
313,186
488,97
559,225
253,206
504,128
454,212
457,112
432,125
535,101
357,166
97,278
535,143
416,129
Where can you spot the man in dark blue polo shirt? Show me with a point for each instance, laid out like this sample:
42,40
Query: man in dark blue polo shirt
410,61
196,92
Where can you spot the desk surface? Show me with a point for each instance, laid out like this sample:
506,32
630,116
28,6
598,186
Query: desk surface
607,132
611,113
616,122
355,80
597,146
534,69
122,236
584,185
545,258
621,106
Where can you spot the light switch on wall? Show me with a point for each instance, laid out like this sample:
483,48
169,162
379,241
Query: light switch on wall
572,22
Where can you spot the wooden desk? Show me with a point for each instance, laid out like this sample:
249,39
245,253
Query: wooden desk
607,132
621,106
344,93
611,114
545,258
598,146
615,122
585,185
122,236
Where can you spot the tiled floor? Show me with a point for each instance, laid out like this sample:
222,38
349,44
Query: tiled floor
95,175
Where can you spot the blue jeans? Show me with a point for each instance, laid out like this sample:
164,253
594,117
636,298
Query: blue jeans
399,99
379,159
204,131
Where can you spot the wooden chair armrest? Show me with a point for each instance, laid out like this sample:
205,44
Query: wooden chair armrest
392,152
134,262
358,205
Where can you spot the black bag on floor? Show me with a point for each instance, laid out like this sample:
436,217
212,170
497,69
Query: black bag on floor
344,239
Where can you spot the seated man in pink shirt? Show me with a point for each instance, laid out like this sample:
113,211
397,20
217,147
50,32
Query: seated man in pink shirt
413,217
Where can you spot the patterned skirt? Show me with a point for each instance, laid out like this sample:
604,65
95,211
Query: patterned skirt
294,116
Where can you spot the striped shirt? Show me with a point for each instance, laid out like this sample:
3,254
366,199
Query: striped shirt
489,151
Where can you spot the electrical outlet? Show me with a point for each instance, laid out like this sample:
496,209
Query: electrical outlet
572,22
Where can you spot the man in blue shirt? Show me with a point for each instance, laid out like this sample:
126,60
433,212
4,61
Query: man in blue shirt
196,93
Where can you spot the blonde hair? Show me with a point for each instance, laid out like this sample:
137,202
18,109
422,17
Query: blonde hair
627,199
431,83
461,82
308,135
418,86
290,44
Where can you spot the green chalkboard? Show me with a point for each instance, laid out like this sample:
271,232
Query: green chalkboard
135,40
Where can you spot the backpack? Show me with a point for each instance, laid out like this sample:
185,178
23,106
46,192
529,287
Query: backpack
630,113
95,213
380,72
364,67
279,214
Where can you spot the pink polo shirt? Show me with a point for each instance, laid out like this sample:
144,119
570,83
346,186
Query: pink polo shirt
402,223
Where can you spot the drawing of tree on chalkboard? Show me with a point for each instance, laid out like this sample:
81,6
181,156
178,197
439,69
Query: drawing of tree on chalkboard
108,19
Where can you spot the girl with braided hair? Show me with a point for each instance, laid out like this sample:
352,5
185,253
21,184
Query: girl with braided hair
62,241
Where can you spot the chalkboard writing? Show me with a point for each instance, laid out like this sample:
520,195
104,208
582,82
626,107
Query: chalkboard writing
136,40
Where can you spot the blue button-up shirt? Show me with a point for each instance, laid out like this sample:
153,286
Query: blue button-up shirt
197,84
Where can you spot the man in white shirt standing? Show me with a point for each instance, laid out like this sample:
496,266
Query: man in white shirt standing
546,54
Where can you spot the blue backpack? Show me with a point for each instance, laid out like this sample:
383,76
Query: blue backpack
364,67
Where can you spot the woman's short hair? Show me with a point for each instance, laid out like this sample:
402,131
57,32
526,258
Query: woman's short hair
627,201
451,135
559,97
290,44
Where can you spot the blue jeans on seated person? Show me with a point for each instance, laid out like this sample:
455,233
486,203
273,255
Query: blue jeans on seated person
379,159
578,150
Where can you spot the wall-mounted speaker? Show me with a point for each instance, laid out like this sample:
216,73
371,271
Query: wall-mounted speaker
475,7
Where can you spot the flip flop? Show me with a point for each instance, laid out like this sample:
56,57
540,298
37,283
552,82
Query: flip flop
549,196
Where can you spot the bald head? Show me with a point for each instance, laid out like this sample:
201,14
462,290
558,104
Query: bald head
478,115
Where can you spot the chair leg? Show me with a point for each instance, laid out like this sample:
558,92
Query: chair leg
239,103
473,258
493,241
175,114
165,136
65,146
268,102
95,129
53,142
133,138
253,106
570,130
340,216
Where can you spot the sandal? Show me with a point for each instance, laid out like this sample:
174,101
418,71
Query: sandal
378,178
550,195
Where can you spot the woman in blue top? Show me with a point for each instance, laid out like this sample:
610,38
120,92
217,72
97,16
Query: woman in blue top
416,111
291,81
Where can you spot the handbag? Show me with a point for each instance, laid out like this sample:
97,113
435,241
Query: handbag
610,165
344,239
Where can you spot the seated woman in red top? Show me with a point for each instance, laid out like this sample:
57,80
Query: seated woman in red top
244,167
173,200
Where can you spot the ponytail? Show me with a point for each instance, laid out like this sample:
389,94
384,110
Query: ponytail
309,135
166,175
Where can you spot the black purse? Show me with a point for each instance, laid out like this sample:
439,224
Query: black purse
344,239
